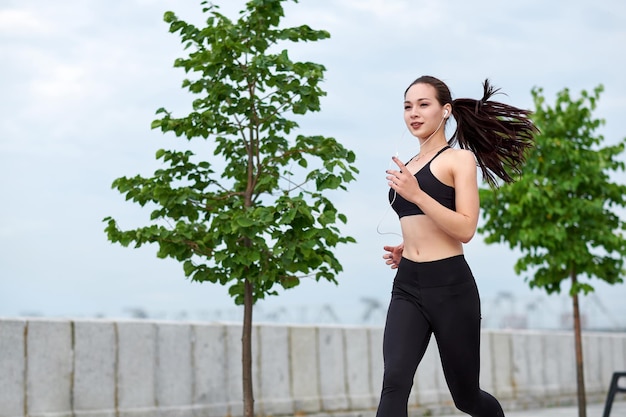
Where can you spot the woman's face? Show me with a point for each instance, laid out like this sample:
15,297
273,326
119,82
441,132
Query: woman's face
422,112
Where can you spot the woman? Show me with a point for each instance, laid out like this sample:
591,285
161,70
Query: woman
435,195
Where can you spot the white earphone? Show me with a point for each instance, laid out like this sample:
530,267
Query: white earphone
445,113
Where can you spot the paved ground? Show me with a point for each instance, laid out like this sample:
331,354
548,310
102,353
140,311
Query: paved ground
593,410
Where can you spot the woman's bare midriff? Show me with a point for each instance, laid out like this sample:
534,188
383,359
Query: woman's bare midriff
424,241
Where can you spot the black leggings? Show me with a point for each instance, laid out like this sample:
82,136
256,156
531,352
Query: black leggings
440,298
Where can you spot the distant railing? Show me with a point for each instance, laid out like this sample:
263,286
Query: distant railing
81,368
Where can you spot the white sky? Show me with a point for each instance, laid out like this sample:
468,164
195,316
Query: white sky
81,80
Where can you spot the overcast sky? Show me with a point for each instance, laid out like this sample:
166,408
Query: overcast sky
80,81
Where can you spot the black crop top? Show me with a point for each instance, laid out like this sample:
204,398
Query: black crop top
444,194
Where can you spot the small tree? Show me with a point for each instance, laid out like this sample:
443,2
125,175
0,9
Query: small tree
560,212
265,220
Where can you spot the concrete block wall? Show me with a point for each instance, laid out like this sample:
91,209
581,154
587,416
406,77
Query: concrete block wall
101,368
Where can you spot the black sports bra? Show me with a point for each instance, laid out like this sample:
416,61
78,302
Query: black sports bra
444,194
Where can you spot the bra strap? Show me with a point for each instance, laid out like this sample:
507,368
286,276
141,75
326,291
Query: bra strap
438,153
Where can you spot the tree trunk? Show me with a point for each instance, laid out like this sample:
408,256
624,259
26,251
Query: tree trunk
248,292
246,351
582,402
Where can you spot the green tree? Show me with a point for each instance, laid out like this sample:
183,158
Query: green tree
266,220
561,212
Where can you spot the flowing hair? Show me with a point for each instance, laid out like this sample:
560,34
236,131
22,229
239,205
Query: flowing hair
498,134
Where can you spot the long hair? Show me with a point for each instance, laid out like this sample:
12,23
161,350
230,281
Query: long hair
497,133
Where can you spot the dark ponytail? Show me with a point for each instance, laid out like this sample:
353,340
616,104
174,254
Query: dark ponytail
497,133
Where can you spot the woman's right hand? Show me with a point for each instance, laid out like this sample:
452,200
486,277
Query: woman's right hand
394,255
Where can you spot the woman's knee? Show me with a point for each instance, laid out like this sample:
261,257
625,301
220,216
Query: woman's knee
465,406
397,378
479,404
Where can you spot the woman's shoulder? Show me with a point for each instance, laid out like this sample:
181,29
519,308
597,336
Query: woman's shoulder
461,156
460,162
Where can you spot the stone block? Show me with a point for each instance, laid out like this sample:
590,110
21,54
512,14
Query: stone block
551,366
12,367
304,363
233,380
520,374
610,362
502,365
136,368
174,376
377,370
486,362
332,369
566,358
536,364
617,361
49,352
95,345
210,389
593,353
359,389
274,373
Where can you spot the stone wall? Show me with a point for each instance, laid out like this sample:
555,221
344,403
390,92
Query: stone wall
103,368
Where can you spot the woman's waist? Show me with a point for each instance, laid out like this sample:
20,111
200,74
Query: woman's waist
427,250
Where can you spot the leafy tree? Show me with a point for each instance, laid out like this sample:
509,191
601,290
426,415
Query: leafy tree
560,213
265,220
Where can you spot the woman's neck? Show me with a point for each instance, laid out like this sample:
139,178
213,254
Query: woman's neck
433,141
432,147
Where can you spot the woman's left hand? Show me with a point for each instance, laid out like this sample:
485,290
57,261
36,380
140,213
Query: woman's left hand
393,255
402,181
